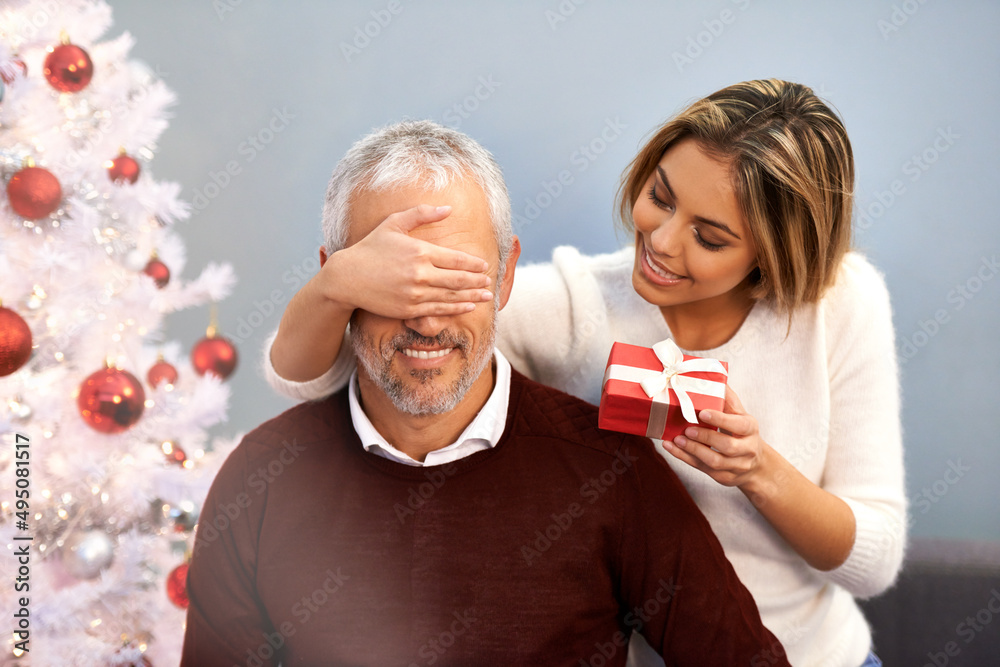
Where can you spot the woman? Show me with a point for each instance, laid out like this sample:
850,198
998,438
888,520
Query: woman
741,213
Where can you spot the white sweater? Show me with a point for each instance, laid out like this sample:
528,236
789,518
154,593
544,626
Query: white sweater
826,398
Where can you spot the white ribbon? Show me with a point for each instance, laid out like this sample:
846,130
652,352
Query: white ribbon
657,383
672,376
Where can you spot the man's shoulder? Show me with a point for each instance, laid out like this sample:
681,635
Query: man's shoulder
305,423
570,424
546,412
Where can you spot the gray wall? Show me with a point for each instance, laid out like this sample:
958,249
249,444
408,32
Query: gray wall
915,81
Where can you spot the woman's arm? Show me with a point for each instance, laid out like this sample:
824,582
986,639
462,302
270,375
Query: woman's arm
864,460
554,328
851,524
818,525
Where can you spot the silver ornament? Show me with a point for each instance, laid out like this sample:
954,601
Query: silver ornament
18,409
183,516
86,553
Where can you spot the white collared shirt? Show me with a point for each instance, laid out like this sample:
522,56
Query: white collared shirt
482,433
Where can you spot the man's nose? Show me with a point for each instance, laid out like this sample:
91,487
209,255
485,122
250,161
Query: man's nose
428,327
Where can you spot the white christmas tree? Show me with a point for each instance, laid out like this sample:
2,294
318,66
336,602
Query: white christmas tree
103,461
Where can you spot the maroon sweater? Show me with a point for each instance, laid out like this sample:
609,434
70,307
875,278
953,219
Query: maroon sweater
548,549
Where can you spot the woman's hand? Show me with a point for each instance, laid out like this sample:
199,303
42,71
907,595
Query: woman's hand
818,525
391,274
732,456
388,273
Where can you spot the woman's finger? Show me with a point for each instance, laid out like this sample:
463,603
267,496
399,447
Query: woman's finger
459,296
444,258
682,455
455,260
408,220
708,457
435,301
738,424
438,309
726,444
733,403
456,280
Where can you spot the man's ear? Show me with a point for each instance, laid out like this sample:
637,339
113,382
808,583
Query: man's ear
508,276
322,256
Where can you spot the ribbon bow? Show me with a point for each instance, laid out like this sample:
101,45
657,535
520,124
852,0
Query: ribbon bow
672,376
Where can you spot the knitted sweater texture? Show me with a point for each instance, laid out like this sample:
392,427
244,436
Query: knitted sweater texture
548,549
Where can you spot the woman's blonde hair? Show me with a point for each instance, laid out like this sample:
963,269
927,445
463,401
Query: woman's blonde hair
793,174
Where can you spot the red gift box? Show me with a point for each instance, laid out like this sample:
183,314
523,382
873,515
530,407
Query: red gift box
658,392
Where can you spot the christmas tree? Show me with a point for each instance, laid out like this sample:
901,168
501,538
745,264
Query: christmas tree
104,458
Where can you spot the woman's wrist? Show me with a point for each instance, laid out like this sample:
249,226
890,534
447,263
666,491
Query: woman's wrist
326,290
765,483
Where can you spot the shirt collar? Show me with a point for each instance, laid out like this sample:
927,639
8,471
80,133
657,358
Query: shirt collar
483,432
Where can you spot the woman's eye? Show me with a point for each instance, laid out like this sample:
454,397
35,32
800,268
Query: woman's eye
708,245
659,203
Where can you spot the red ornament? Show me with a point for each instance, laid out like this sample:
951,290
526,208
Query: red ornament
10,70
34,192
214,354
174,453
111,400
158,271
177,586
15,341
68,68
161,371
123,169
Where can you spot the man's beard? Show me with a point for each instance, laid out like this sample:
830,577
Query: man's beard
425,399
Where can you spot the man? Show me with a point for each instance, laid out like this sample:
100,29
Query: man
444,509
